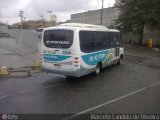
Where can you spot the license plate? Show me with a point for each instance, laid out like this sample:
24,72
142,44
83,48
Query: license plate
57,66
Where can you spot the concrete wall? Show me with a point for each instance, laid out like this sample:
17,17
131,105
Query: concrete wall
3,29
93,17
29,41
155,35
134,38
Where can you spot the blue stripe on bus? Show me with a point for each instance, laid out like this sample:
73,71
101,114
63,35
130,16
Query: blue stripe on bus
94,58
49,57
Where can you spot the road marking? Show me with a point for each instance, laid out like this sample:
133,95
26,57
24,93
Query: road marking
28,91
111,101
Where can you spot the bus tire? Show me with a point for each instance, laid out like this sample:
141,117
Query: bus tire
119,61
98,69
121,56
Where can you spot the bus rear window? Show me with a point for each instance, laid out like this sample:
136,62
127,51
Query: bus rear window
58,38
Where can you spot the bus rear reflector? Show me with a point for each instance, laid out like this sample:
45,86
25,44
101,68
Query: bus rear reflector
76,61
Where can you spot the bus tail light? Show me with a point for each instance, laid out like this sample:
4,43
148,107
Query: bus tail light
76,61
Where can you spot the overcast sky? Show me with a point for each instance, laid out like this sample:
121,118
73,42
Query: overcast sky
9,9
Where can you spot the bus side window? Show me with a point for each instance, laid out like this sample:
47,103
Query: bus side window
106,40
110,40
87,41
105,44
118,40
101,43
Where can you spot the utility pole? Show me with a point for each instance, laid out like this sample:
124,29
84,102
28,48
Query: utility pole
24,18
21,19
41,16
102,13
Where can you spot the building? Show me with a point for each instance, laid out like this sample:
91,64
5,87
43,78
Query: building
54,18
94,17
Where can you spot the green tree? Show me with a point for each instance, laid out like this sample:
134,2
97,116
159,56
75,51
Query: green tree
136,14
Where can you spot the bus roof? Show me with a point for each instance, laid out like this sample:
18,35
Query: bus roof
114,30
83,26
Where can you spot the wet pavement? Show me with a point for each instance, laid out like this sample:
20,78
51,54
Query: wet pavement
132,87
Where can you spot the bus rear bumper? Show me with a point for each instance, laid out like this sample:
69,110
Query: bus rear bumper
74,73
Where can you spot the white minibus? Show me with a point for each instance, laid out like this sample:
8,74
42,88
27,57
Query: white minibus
75,49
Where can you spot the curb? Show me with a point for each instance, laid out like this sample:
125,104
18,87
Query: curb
3,71
20,72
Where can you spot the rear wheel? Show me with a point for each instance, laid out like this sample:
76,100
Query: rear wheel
98,69
121,56
119,61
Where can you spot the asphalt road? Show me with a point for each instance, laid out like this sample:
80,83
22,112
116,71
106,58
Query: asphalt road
132,87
